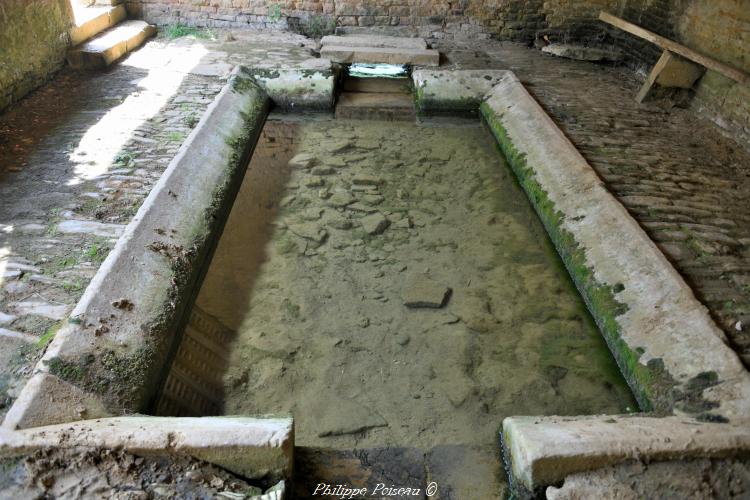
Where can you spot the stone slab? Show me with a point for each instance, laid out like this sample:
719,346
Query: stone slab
544,450
384,106
253,448
421,291
583,52
453,91
109,360
110,45
351,54
671,352
378,85
375,41
106,18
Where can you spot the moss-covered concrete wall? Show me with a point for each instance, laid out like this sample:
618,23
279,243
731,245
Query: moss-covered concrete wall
33,41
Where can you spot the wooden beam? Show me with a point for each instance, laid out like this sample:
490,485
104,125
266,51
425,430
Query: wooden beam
667,44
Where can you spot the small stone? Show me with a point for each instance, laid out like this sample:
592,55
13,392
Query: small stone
302,160
315,181
340,199
309,231
363,322
323,171
287,200
367,180
360,207
405,223
341,223
312,214
335,162
6,318
372,199
324,194
402,339
423,292
338,146
364,189
374,224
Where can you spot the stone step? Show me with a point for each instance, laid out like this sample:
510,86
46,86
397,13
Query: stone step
110,45
344,54
91,21
394,42
375,106
378,85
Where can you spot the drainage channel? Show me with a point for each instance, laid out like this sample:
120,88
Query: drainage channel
389,285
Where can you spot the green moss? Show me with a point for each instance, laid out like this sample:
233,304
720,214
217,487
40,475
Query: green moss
66,370
652,386
180,30
48,335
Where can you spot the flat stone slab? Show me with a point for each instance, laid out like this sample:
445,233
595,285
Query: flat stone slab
450,91
582,52
97,20
374,55
253,448
423,292
375,41
111,45
545,450
673,355
374,224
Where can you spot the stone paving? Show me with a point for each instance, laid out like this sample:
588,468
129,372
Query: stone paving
685,183
78,157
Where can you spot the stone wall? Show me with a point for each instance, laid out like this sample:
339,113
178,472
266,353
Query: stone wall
461,19
716,28
33,42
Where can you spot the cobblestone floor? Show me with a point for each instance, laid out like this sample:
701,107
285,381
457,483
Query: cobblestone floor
686,184
78,157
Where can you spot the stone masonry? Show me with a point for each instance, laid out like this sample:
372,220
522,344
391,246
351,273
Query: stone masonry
34,38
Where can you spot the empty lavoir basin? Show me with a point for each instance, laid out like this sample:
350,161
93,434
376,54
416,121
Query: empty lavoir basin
390,286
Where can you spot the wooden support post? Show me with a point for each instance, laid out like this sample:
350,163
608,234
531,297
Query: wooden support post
671,70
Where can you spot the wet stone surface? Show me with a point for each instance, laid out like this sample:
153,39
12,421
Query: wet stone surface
347,332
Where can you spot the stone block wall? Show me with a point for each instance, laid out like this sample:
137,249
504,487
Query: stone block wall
33,42
461,19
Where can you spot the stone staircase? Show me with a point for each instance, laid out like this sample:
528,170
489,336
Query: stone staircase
102,34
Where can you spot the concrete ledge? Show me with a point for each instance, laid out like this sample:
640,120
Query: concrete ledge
669,349
253,448
309,87
453,91
544,450
113,352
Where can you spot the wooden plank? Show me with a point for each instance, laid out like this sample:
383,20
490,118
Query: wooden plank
667,44
651,79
